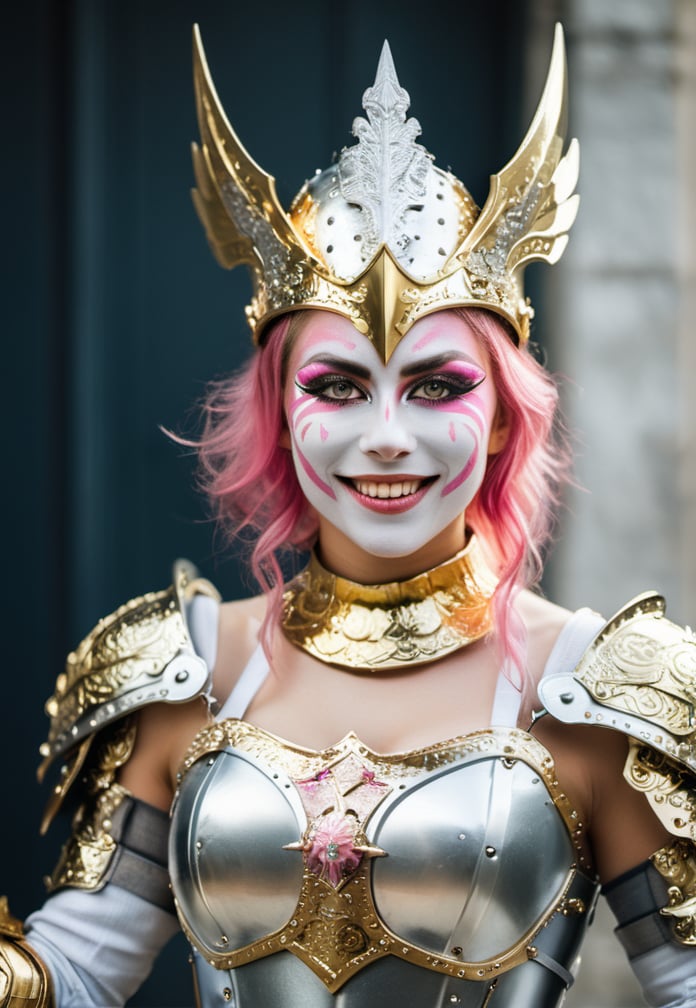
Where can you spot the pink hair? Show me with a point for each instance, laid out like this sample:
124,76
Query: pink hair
247,475
514,510
251,482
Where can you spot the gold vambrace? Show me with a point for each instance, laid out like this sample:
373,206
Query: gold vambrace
24,980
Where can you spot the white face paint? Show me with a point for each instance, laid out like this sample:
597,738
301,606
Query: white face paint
390,455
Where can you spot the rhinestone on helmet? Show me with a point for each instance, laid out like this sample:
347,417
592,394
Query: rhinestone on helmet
384,191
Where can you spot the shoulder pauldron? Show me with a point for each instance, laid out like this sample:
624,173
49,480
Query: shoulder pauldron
639,677
141,654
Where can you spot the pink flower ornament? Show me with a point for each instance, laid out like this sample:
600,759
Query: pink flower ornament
330,853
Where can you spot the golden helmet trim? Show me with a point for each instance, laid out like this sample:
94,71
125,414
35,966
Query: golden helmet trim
383,237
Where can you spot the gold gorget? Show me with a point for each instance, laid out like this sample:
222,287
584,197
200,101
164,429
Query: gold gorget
392,625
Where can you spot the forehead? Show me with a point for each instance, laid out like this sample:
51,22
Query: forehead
432,336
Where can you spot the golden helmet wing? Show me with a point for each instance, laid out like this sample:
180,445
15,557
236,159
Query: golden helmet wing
532,202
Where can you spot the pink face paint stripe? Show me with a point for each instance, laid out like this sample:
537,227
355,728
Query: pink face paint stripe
463,475
318,482
301,400
323,337
306,427
462,409
310,408
440,327
323,433
452,431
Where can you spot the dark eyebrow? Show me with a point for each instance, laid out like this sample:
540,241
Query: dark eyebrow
339,364
434,363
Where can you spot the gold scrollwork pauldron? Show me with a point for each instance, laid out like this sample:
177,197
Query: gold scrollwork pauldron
140,654
644,665
335,928
669,788
677,865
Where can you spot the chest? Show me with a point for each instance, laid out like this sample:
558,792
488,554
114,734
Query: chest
453,859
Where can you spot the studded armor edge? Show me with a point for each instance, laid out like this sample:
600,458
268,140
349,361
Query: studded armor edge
638,677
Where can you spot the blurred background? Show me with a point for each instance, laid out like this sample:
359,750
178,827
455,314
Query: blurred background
116,315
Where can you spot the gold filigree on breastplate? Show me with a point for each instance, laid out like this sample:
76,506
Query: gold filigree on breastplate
336,929
393,625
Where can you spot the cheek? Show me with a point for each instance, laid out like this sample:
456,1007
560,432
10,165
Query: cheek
463,434
304,411
315,431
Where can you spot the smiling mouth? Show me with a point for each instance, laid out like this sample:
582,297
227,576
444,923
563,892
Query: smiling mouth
382,490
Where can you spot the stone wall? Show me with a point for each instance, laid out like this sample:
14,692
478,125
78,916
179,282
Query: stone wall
621,327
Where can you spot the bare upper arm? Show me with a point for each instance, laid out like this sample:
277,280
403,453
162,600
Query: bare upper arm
622,829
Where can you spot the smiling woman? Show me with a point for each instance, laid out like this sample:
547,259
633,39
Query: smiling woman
389,453
402,777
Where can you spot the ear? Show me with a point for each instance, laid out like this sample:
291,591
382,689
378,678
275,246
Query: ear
500,431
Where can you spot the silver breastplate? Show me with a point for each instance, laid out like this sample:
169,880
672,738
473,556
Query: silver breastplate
451,875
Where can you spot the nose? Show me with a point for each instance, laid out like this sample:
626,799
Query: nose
387,436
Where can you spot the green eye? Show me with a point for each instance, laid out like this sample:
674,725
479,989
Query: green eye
339,390
434,390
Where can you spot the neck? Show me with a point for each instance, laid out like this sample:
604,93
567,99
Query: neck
342,557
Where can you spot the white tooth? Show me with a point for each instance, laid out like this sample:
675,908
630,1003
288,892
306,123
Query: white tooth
383,491
372,489
414,485
362,486
396,489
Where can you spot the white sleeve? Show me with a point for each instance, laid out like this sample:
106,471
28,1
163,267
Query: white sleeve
667,975
98,946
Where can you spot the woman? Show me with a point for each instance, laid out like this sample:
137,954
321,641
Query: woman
347,828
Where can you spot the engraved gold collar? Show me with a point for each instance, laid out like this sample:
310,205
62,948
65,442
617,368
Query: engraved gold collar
392,625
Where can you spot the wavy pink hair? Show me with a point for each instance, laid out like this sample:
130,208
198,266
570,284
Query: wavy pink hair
251,482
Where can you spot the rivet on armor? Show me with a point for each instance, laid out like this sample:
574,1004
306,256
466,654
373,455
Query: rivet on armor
490,852
181,676
462,836
227,994
567,698
457,950
454,999
532,951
